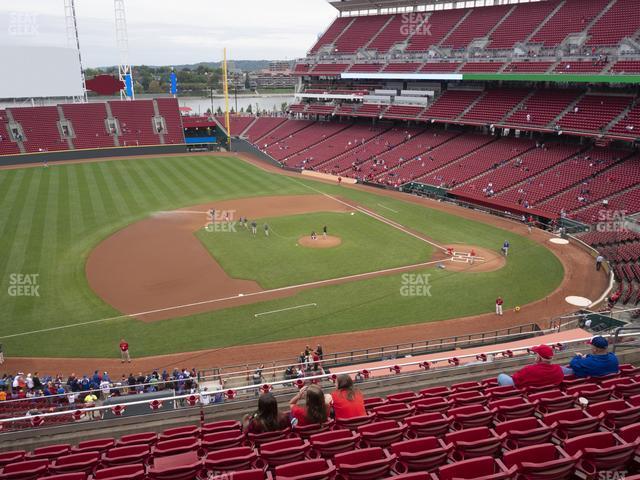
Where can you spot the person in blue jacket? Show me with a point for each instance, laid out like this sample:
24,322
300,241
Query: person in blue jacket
598,363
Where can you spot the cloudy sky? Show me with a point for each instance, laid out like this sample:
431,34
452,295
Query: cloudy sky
169,32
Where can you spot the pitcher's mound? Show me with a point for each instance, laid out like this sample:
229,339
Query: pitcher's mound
320,242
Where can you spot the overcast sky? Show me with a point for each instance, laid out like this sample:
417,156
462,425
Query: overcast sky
169,32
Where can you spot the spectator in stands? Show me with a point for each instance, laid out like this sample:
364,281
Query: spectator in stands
267,418
541,374
596,364
348,401
315,410
599,260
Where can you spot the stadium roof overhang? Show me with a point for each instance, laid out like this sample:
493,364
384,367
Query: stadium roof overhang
363,5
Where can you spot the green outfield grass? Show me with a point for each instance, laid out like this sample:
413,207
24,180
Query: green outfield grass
278,261
51,218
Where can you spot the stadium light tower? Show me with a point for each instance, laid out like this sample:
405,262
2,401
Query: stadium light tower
73,41
122,39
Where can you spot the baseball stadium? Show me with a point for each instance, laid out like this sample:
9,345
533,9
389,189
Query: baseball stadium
425,266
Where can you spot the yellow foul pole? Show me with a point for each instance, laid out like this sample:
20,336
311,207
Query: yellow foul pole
226,98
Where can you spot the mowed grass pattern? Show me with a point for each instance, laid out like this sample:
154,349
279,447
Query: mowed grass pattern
278,261
51,218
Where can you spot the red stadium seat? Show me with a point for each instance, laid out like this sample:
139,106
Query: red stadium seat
496,393
257,439
127,455
542,462
147,438
468,397
623,387
372,402
471,416
329,444
591,391
628,370
550,401
364,464
473,443
482,468
511,408
422,454
523,432
12,456
123,472
27,470
428,425
222,425
222,439
570,423
284,451
603,451
393,411
382,434
467,386
50,452
76,462
185,471
615,413
411,476
354,422
307,470
176,446
306,431
432,404
230,460
68,476
99,445
248,475
441,391
191,431
403,397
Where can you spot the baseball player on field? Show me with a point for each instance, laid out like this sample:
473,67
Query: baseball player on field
254,227
505,248
266,229
324,231
499,303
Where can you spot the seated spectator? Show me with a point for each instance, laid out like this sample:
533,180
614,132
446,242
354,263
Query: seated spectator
267,418
595,364
541,374
316,410
348,401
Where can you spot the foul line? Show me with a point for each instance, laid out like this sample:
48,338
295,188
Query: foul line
285,309
224,299
373,215
387,208
183,212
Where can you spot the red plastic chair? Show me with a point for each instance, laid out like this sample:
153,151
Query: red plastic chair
50,452
422,454
147,438
393,411
432,404
123,472
354,422
364,464
381,434
176,446
248,475
98,445
127,455
67,476
306,431
623,387
541,462
628,370
222,439
511,408
550,401
428,425
403,397
284,451
468,397
591,391
230,460
411,476
523,432
27,470
187,471
257,439
220,426
473,443
76,462
482,468
12,456
328,444
372,402
440,391
467,386
634,400
615,413
602,451
471,416
497,393
571,381
570,423
308,470
188,431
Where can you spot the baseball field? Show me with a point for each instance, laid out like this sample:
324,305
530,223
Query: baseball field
111,249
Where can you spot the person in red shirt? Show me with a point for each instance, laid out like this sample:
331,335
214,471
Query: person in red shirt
541,374
124,351
348,401
499,303
315,409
